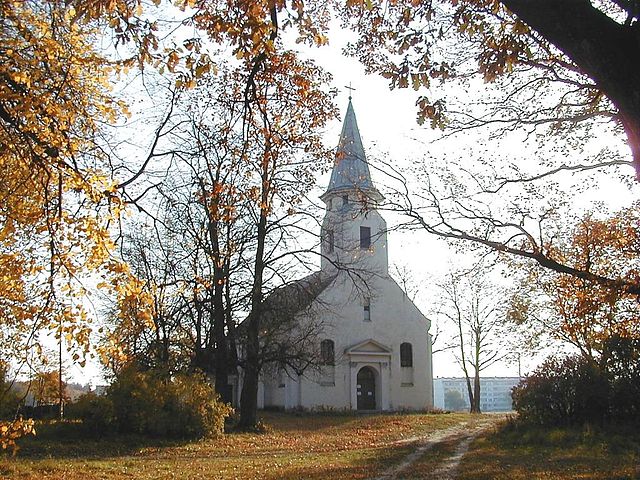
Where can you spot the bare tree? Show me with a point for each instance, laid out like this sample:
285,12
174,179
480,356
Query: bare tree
483,212
472,305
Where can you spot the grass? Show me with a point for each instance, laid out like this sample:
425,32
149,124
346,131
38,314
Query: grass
295,447
306,446
517,452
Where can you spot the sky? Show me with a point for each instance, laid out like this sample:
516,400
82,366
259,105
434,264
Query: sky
387,124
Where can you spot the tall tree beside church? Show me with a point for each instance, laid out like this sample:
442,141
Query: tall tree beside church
210,205
286,110
471,305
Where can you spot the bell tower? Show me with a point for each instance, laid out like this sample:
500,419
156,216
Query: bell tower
354,234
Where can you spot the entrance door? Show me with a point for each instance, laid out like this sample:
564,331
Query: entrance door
366,389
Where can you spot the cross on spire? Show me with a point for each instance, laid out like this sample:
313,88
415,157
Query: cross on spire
350,88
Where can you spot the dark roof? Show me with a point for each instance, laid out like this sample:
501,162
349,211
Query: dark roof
350,170
296,296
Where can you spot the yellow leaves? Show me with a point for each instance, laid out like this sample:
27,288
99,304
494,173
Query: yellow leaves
11,432
591,311
7,230
184,4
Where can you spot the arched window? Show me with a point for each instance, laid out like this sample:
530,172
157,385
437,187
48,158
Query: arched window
327,352
406,355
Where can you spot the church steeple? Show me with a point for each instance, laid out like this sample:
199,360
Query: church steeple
351,170
354,234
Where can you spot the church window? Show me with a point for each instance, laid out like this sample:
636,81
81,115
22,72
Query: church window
345,199
365,238
327,352
367,310
330,239
330,204
406,355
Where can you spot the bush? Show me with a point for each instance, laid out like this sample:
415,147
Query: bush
622,364
574,390
9,403
563,391
96,412
150,403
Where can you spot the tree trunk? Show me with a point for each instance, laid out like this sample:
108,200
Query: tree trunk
463,359
603,49
231,327
218,342
475,407
249,396
221,352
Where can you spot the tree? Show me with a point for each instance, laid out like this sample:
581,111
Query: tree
571,45
472,305
199,220
149,330
56,199
559,99
577,311
46,388
283,126
61,190
453,400
599,40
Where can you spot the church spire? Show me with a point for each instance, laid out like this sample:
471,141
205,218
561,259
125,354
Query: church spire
350,170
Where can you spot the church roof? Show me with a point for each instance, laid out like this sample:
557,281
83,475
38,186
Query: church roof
295,297
350,170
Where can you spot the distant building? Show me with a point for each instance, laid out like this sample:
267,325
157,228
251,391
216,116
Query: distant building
450,393
100,390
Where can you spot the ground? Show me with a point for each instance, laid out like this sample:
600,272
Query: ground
336,447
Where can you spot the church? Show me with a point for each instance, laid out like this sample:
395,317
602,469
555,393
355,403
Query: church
373,346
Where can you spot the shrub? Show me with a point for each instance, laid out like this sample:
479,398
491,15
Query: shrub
151,403
622,364
96,412
9,403
563,391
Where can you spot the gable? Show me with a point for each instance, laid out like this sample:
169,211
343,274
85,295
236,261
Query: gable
368,347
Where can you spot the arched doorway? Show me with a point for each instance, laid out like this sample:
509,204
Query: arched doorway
366,389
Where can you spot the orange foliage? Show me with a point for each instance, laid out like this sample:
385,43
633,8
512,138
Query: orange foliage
608,247
10,432
588,312
54,95
58,191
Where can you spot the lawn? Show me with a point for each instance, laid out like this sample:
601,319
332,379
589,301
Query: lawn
295,447
531,453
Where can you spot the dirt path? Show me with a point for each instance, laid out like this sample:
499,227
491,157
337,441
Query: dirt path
465,433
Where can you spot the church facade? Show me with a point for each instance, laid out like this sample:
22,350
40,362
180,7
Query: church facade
374,346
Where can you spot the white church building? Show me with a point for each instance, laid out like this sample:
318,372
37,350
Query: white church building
374,344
